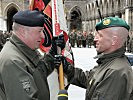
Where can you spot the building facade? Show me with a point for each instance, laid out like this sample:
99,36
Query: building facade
7,9
84,14
80,14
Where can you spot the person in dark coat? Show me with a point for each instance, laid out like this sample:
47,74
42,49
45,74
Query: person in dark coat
90,39
84,39
72,37
23,71
79,39
112,78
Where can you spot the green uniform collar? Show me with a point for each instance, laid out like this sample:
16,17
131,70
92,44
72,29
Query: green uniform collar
103,58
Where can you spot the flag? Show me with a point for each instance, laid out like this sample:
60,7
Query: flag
60,27
46,7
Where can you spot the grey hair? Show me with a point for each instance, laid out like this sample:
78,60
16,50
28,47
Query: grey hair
17,26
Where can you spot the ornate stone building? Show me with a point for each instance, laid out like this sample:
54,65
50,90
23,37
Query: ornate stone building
83,14
7,9
80,14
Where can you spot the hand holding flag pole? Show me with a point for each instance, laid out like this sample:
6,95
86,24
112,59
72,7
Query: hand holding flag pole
63,94
56,30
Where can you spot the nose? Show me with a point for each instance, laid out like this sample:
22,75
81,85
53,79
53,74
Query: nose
42,35
96,38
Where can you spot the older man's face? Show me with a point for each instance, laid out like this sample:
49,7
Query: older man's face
34,35
103,41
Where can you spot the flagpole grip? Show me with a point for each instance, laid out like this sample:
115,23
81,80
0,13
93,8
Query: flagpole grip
61,77
61,73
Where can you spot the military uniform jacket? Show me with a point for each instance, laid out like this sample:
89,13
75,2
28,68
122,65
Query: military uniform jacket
112,79
23,76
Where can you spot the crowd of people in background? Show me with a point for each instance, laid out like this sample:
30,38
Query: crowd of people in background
81,39
77,39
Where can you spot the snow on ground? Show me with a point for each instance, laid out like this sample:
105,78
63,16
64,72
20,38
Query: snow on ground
83,59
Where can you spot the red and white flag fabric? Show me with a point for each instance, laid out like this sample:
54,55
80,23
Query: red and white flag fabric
60,27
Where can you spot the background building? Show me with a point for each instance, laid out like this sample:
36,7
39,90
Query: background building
80,14
83,14
7,9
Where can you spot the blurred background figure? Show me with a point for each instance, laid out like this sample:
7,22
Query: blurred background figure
90,39
72,38
79,39
84,39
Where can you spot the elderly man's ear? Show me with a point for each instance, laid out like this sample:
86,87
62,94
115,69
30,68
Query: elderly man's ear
114,40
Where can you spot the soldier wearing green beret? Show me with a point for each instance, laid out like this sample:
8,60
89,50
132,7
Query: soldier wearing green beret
23,72
112,78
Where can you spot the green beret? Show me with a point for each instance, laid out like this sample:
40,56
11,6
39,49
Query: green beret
111,22
29,18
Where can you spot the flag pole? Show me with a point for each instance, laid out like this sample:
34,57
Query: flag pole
57,32
61,73
63,94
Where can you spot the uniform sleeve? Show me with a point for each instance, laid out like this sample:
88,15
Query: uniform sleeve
49,63
111,87
79,77
76,76
18,83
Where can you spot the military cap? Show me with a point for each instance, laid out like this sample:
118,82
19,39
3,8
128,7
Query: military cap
111,22
29,18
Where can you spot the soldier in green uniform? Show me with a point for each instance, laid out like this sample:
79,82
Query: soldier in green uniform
72,37
112,78
90,39
23,72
